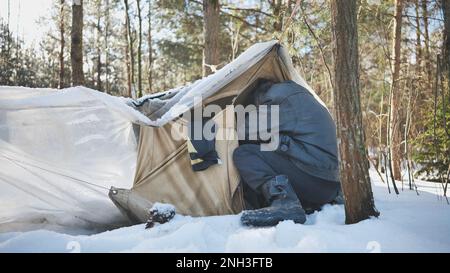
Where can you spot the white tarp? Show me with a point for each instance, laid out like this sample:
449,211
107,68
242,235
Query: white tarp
58,148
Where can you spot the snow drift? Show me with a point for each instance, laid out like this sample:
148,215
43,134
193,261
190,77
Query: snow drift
408,223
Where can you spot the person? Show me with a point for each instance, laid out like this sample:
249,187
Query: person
302,171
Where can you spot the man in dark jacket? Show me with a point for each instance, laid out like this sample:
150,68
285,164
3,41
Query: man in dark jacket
302,172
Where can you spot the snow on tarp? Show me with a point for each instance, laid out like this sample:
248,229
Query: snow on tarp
57,150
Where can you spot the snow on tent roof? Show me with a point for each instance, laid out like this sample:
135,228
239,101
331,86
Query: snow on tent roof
182,98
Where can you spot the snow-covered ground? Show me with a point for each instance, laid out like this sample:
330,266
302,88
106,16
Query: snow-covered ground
408,223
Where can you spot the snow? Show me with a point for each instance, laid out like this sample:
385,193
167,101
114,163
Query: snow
408,223
163,208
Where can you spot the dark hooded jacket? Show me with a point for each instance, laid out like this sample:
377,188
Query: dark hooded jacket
307,133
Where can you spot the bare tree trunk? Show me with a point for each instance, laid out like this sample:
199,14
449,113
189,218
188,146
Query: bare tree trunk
98,45
446,66
359,203
418,36
381,147
62,44
19,60
446,43
394,122
139,53
234,38
150,50
211,28
409,88
427,43
164,70
127,64
130,47
107,26
9,28
420,96
76,51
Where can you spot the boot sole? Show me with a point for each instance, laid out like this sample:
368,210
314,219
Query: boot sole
265,217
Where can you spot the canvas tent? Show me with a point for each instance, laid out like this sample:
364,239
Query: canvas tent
163,172
61,151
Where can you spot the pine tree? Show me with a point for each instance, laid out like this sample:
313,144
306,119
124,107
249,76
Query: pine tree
359,203
211,13
77,43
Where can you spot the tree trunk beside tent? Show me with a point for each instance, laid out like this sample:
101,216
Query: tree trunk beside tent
129,51
211,28
107,26
98,45
76,51
150,50
127,65
139,51
62,45
394,122
359,203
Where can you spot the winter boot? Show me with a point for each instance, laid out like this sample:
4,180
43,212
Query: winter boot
284,205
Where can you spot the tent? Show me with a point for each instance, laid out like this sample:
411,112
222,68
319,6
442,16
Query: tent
163,171
62,150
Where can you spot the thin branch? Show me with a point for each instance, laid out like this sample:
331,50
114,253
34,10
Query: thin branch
374,165
243,20
330,78
248,9
232,16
